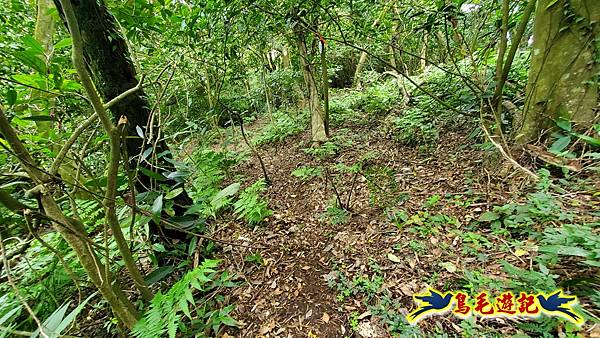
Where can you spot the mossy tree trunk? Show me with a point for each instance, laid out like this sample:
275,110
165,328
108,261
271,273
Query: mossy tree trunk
564,68
113,71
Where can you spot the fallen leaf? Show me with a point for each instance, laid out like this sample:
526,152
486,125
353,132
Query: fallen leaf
308,314
449,266
520,252
325,318
393,258
364,315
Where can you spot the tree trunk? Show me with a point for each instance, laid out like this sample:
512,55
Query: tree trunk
325,84
563,73
107,56
287,63
44,31
318,124
363,55
423,55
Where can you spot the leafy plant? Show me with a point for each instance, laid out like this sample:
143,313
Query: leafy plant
282,126
414,127
574,240
540,208
305,173
164,316
250,206
335,214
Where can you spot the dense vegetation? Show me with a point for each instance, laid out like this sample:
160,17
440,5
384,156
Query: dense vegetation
258,168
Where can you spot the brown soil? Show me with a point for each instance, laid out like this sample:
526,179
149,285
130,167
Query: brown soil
288,296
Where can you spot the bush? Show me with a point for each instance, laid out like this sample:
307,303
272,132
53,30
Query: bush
414,127
282,126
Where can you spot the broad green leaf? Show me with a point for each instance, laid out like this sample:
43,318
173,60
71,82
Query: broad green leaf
72,315
159,274
230,190
9,314
52,322
560,144
11,96
34,80
63,43
38,118
157,205
565,250
147,153
227,320
33,45
192,246
185,307
70,86
222,197
31,59
590,140
173,193
551,3
564,124
152,174
489,216
592,263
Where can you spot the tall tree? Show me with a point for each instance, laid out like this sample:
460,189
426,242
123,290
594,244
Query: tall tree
563,77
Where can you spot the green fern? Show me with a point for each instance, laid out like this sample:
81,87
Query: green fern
250,206
163,318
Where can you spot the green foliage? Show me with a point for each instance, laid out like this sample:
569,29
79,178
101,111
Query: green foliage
571,240
305,173
59,320
414,127
164,316
539,209
282,125
335,214
250,206
255,258
374,295
212,169
324,150
382,186
364,107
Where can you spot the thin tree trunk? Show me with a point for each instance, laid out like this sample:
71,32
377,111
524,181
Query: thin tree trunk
514,46
363,55
325,85
499,64
287,63
423,55
44,31
318,128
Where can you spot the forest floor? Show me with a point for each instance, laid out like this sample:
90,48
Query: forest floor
314,276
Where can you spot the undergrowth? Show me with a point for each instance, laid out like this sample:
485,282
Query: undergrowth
165,316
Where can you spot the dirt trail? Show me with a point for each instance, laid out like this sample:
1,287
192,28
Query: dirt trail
289,295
